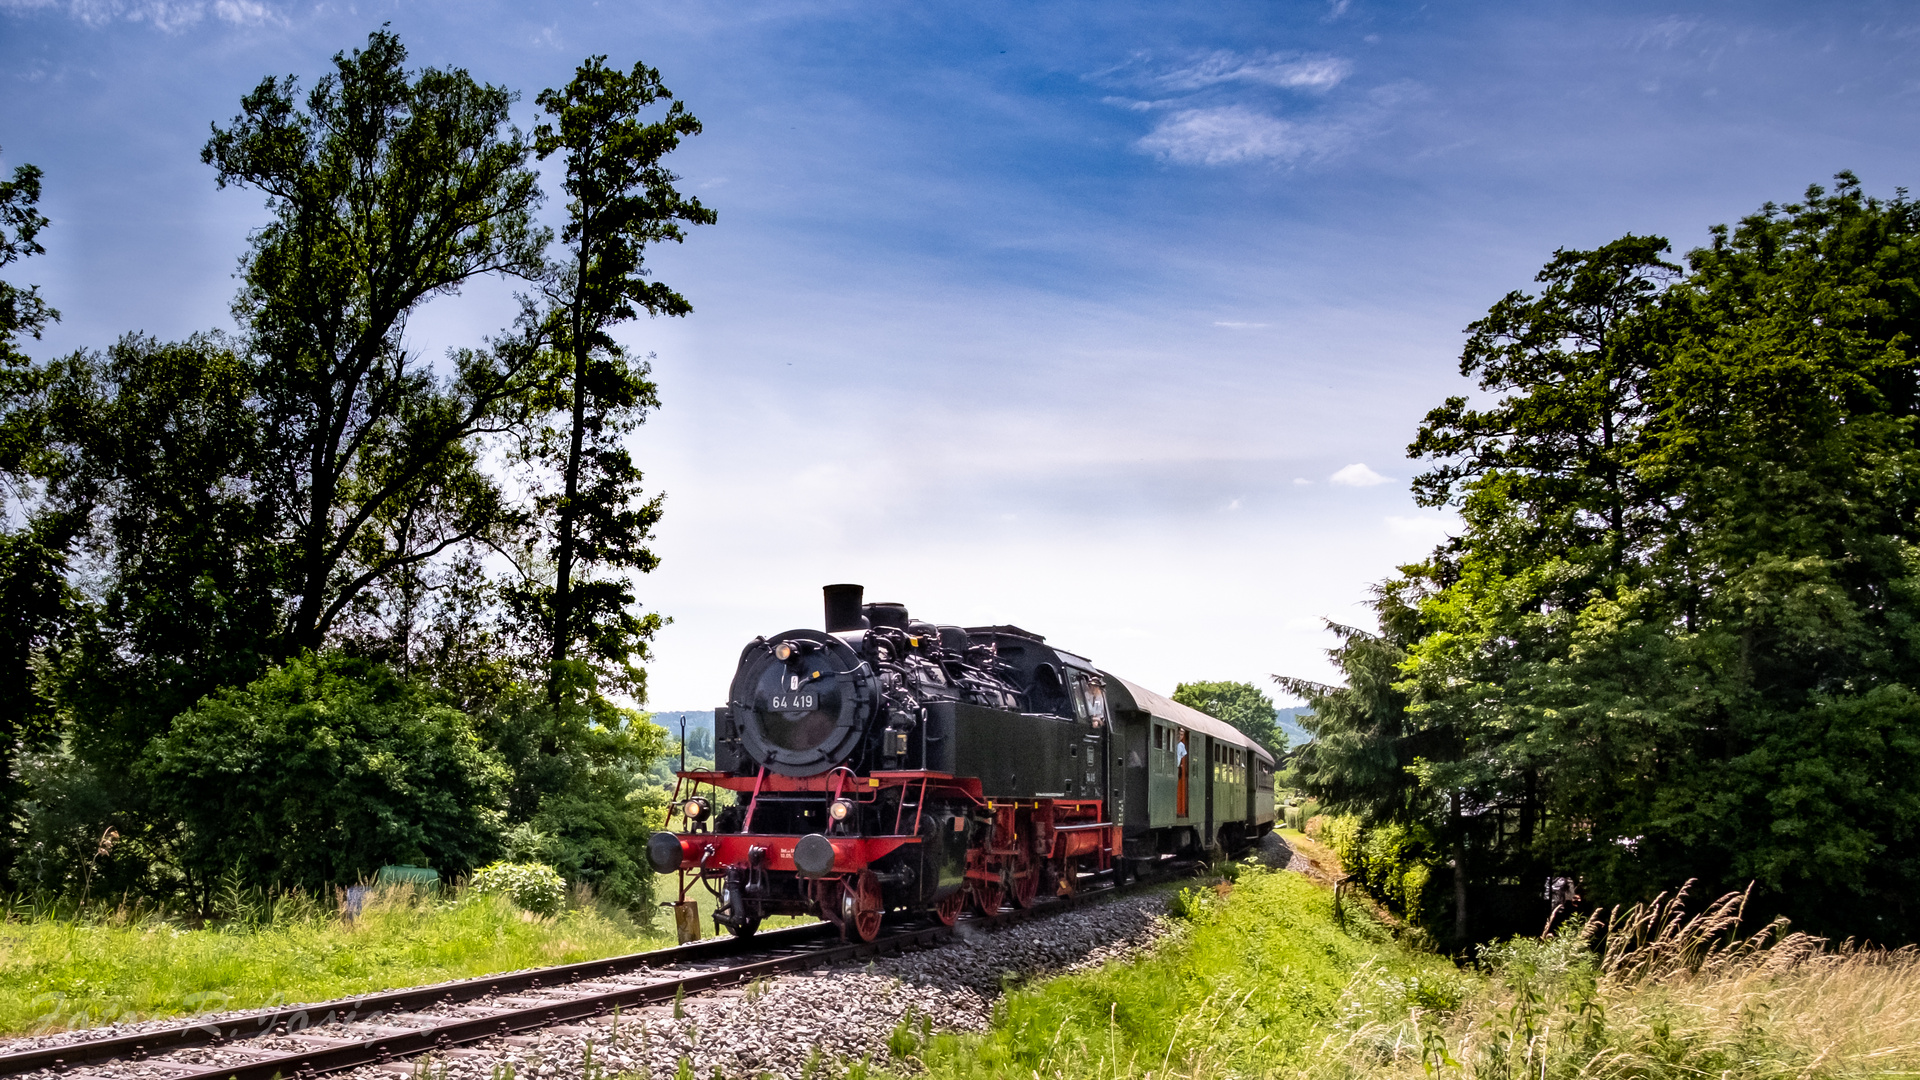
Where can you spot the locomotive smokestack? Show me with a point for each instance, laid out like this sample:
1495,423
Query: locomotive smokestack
843,608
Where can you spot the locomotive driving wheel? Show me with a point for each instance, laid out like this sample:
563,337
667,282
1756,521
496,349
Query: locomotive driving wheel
986,895
1023,885
948,910
861,906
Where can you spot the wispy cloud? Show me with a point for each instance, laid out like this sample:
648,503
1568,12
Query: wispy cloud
165,15
1667,33
1287,73
1242,325
1356,475
1232,134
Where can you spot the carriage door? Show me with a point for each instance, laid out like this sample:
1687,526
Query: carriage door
1183,764
1213,780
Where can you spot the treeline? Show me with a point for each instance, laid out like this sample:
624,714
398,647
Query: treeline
1678,635
291,601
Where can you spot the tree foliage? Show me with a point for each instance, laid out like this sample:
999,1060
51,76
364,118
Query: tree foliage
1676,636
157,450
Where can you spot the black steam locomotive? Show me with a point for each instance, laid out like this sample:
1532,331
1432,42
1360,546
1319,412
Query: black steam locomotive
887,763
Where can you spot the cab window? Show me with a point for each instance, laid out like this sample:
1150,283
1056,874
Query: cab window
1077,687
1096,701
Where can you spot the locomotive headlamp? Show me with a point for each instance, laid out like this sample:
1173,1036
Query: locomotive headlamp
841,809
783,652
695,809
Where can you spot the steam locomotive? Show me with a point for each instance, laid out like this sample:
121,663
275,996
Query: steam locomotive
885,763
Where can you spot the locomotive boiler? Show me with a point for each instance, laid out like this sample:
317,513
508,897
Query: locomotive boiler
885,763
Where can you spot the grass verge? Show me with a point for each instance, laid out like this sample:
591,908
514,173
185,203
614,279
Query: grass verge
59,973
1268,980
1250,985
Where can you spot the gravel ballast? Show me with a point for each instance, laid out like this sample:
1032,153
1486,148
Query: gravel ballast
847,1012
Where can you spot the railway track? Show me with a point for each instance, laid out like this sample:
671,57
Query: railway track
389,1028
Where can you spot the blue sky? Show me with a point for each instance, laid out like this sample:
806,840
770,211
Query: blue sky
1109,320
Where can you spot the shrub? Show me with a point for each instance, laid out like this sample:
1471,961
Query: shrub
321,771
536,887
579,785
1393,863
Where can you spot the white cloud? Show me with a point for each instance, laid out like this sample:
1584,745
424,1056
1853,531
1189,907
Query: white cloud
1431,528
1302,481
1242,325
1232,134
242,12
1356,475
1234,505
1305,73
162,14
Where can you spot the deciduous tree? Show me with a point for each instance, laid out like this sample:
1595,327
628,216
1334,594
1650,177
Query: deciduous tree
387,189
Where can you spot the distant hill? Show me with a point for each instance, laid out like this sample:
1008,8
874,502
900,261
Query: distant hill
1289,721
670,719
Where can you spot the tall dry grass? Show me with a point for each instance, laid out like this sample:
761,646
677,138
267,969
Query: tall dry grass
1665,994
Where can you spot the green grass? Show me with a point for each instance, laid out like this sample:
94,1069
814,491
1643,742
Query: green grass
1268,982
1253,986
58,973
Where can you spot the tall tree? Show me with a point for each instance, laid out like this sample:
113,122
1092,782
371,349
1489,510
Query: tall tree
621,199
386,190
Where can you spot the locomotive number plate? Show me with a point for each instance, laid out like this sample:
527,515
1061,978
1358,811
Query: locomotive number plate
793,702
